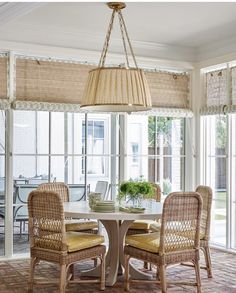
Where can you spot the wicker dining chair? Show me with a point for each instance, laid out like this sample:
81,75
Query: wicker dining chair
50,242
144,226
71,224
181,213
206,194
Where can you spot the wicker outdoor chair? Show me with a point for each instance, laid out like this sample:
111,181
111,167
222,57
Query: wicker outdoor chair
181,213
144,226
71,224
50,242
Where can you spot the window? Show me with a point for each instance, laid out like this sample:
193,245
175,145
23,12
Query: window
156,150
135,151
215,173
2,182
95,147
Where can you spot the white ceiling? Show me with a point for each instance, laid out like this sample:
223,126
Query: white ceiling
162,30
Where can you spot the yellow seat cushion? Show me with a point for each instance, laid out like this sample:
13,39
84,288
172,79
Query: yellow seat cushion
151,242
148,242
142,224
75,225
156,226
78,241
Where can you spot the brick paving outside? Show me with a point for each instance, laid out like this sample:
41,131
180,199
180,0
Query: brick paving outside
14,275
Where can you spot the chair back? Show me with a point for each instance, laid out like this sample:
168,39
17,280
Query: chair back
206,194
20,198
157,192
101,187
58,187
180,225
46,221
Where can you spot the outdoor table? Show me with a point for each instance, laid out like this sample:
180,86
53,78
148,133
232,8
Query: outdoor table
116,225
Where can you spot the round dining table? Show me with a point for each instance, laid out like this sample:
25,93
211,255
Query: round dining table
116,224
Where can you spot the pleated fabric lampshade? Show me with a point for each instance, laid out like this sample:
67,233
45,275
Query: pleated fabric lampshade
115,89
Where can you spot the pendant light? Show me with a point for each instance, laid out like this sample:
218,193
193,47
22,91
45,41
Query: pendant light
116,89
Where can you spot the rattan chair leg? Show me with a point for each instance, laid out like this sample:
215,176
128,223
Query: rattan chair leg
207,255
103,272
63,270
162,273
33,262
198,276
127,283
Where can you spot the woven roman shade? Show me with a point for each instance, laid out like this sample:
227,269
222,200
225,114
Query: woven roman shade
50,85
4,103
168,90
233,83
216,88
44,85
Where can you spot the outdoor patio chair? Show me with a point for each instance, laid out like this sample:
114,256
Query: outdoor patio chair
102,187
50,242
177,241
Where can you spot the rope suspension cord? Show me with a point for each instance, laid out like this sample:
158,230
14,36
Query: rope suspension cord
117,6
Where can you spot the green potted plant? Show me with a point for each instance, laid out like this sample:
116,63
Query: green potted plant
135,191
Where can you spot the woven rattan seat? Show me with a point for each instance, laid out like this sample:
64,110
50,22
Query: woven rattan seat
180,210
50,242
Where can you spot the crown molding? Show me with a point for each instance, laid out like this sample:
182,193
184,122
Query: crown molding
79,39
90,56
216,50
11,10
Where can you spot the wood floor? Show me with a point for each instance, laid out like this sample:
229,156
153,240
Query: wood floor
14,275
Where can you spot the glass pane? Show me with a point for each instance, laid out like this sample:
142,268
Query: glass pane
58,164
97,165
216,175
24,132
76,170
233,183
2,204
57,133
42,133
137,135
166,171
75,124
98,140
21,217
2,132
99,170
31,130
2,179
30,169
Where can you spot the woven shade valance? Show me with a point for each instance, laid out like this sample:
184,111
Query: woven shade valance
50,81
3,77
216,88
168,90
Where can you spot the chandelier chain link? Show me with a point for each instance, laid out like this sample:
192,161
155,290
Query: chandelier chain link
123,37
107,39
